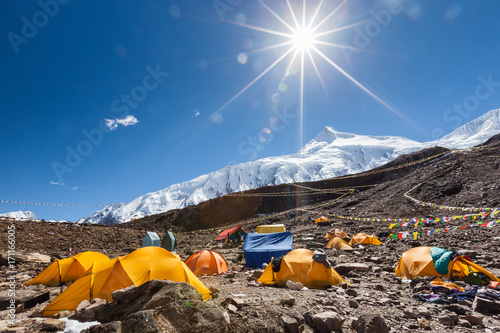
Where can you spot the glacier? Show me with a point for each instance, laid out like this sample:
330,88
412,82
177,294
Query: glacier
329,154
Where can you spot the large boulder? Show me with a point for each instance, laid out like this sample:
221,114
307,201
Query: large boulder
160,306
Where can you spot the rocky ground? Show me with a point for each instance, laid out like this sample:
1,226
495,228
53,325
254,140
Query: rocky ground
376,300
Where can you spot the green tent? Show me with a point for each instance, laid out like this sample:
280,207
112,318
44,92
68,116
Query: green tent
169,242
151,239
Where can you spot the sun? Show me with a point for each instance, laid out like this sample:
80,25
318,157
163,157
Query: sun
303,39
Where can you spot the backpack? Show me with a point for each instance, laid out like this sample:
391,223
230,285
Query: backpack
477,278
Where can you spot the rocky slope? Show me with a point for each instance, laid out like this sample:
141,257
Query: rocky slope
376,297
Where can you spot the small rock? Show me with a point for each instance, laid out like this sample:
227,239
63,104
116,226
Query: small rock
90,311
347,267
446,320
464,323
370,324
53,325
353,303
351,292
474,319
458,309
327,322
410,314
424,323
423,311
238,302
257,273
82,306
291,324
231,308
287,299
294,285
484,305
61,314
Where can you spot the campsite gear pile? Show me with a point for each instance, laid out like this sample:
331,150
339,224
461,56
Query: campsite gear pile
434,261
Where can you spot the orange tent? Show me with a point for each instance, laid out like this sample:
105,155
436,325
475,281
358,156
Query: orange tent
68,269
206,262
337,243
299,266
336,233
364,239
323,220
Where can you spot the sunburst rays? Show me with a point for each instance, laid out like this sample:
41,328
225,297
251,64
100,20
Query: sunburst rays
302,35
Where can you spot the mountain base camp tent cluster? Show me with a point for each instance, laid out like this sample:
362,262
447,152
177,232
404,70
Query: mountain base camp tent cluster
136,268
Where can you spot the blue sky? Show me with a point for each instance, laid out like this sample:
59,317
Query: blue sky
103,101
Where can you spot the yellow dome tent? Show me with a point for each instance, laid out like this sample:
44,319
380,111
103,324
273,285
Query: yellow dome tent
434,261
337,243
336,233
138,267
68,269
364,239
299,266
323,220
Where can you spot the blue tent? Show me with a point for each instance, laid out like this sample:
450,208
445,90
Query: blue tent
260,248
151,239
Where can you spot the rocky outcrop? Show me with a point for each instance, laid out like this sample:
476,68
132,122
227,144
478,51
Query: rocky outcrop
157,306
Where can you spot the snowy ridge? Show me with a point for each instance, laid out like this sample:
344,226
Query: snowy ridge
20,215
329,154
474,132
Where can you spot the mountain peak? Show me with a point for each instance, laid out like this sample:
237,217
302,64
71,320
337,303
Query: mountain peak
329,134
473,132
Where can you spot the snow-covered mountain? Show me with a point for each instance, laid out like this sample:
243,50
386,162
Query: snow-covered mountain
474,132
20,215
329,154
